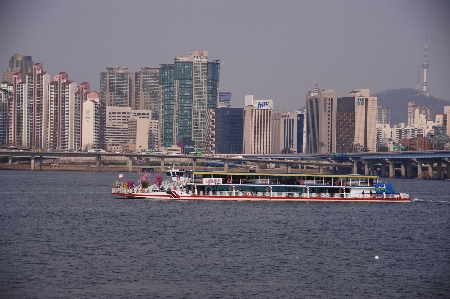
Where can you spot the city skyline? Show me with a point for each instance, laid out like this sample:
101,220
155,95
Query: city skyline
276,49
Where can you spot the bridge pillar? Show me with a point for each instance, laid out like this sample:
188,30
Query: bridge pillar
391,169
288,168
355,167
10,160
403,169
366,168
40,163
225,166
409,169
447,175
371,167
439,170
194,163
33,161
430,169
162,164
99,162
130,164
320,169
419,169
383,169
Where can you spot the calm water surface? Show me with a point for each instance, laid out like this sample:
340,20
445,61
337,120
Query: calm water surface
63,236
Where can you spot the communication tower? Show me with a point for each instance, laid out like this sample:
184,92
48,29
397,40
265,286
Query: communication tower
425,65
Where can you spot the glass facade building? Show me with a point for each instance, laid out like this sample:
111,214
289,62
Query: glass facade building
188,88
229,134
168,103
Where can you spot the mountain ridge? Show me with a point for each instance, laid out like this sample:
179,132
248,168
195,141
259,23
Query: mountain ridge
397,101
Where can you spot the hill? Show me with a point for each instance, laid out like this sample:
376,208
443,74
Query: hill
397,101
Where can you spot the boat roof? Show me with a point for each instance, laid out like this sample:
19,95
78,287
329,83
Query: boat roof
265,174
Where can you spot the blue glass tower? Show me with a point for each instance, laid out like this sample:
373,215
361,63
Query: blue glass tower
229,130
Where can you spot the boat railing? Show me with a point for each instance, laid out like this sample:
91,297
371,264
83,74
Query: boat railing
304,195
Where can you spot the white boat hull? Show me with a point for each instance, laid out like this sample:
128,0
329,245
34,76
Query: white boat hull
178,195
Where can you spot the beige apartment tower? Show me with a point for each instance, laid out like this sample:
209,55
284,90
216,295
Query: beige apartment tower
257,126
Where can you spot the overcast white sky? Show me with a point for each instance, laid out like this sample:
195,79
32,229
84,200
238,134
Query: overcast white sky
272,49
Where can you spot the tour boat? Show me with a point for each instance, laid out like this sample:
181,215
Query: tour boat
251,186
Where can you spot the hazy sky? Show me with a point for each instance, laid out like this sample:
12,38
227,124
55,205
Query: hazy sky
272,49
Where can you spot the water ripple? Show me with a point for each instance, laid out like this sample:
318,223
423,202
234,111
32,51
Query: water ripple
64,237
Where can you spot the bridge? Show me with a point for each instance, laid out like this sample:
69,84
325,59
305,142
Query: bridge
421,164
410,164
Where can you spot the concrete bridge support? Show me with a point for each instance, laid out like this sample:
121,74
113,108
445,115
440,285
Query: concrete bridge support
10,160
419,170
383,169
289,168
99,162
403,169
447,175
366,168
194,163
163,167
409,169
320,169
439,170
355,167
225,166
130,164
430,169
391,169
33,165
371,167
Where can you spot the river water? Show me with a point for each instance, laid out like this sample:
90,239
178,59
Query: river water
63,236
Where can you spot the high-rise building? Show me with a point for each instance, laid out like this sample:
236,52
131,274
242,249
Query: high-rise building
61,110
189,88
224,100
320,117
80,99
287,132
116,124
257,126
167,96
419,115
384,116
154,134
138,129
228,130
16,113
117,87
341,124
356,122
28,109
35,134
147,91
93,122
447,113
210,139
18,63
6,93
